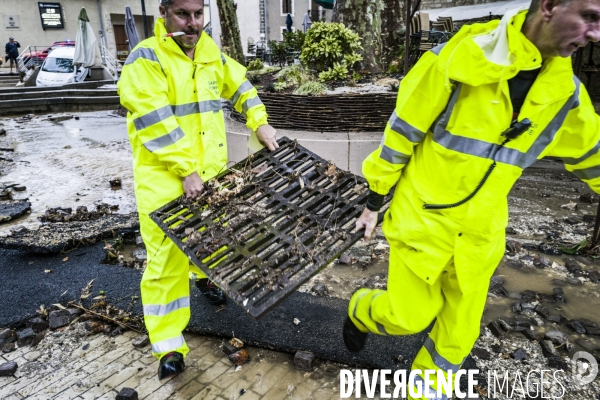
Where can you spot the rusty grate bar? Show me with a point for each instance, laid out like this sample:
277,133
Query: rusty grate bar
265,226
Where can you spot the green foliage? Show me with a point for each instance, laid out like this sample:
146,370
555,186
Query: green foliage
294,41
279,85
285,51
253,78
255,65
295,74
311,88
396,66
278,52
331,49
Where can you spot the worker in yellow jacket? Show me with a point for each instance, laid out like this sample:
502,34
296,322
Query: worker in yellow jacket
469,118
172,86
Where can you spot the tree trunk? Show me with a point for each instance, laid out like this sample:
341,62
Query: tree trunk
230,31
377,22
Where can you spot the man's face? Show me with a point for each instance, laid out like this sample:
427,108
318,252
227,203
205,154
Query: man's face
185,16
11,40
571,24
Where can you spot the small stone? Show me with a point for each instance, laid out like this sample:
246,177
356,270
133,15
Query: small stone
139,241
529,305
574,281
115,182
559,295
548,348
74,313
127,394
38,338
557,362
511,231
557,337
558,282
576,326
320,289
589,218
522,324
8,347
140,255
58,318
345,259
303,360
37,324
497,329
85,347
542,311
19,188
593,331
516,307
594,276
587,198
141,341
496,281
549,249
572,265
496,348
480,353
571,206
531,335
515,264
554,318
18,229
529,295
520,354
8,368
572,220
5,333
228,348
587,324
513,246
296,321
25,337
546,298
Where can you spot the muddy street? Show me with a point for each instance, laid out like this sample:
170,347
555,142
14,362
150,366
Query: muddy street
547,281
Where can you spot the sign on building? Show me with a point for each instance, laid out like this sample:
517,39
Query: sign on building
11,22
51,15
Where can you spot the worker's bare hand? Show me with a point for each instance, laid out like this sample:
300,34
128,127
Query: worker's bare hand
267,136
367,220
193,185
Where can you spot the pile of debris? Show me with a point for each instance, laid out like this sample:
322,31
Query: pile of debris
65,214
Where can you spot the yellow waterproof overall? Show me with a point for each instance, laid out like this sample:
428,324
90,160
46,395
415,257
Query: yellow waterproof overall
441,139
176,127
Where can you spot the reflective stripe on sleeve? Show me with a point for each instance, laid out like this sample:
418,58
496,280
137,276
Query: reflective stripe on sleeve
142,52
168,345
380,327
255,101
403,128
152,118
587,173
244,87
392,156
159,310
438,49
164,141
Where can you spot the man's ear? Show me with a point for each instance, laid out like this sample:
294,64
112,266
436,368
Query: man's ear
163,11
548,8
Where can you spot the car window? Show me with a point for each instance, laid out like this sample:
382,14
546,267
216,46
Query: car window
60,65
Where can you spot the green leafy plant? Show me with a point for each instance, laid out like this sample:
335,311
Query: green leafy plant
278,52
255,65
331,49
295,74
253,78
311,88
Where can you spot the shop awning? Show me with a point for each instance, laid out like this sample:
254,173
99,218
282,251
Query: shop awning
328,4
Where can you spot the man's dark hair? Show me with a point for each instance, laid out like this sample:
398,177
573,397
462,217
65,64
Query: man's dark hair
535,6
166,3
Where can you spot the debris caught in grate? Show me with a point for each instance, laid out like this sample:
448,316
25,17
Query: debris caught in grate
269,223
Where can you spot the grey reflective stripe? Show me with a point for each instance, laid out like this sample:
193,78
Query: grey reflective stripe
438,360
392,156
354,311
244,87
164,141
255,101
210,105
437,49
403,128
152,118
577,84
142,52
380,327
573,161
587,173
431,392
159,310
223,59
181,110
168,345
493,151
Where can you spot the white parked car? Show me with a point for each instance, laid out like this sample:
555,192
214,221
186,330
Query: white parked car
58,68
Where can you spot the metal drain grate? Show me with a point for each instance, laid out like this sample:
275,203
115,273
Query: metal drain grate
264,227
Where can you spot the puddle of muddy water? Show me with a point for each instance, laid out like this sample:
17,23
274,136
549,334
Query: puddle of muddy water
69,163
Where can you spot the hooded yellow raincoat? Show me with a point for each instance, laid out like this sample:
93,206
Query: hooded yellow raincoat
176,127
441,139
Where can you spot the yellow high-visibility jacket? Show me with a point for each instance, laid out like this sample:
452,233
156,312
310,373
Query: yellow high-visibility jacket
175,121
444,134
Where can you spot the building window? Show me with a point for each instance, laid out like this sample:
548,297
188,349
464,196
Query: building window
287,7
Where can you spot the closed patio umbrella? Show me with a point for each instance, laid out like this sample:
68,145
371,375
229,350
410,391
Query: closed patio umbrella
306,23
130,30
289,22
87,53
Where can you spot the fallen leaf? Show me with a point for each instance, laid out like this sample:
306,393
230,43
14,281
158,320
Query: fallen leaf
47,271
65,259
59,306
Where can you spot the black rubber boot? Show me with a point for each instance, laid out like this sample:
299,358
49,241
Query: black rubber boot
353,338
211,291
171,364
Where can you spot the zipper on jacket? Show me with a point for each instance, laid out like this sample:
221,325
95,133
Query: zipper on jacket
514,131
